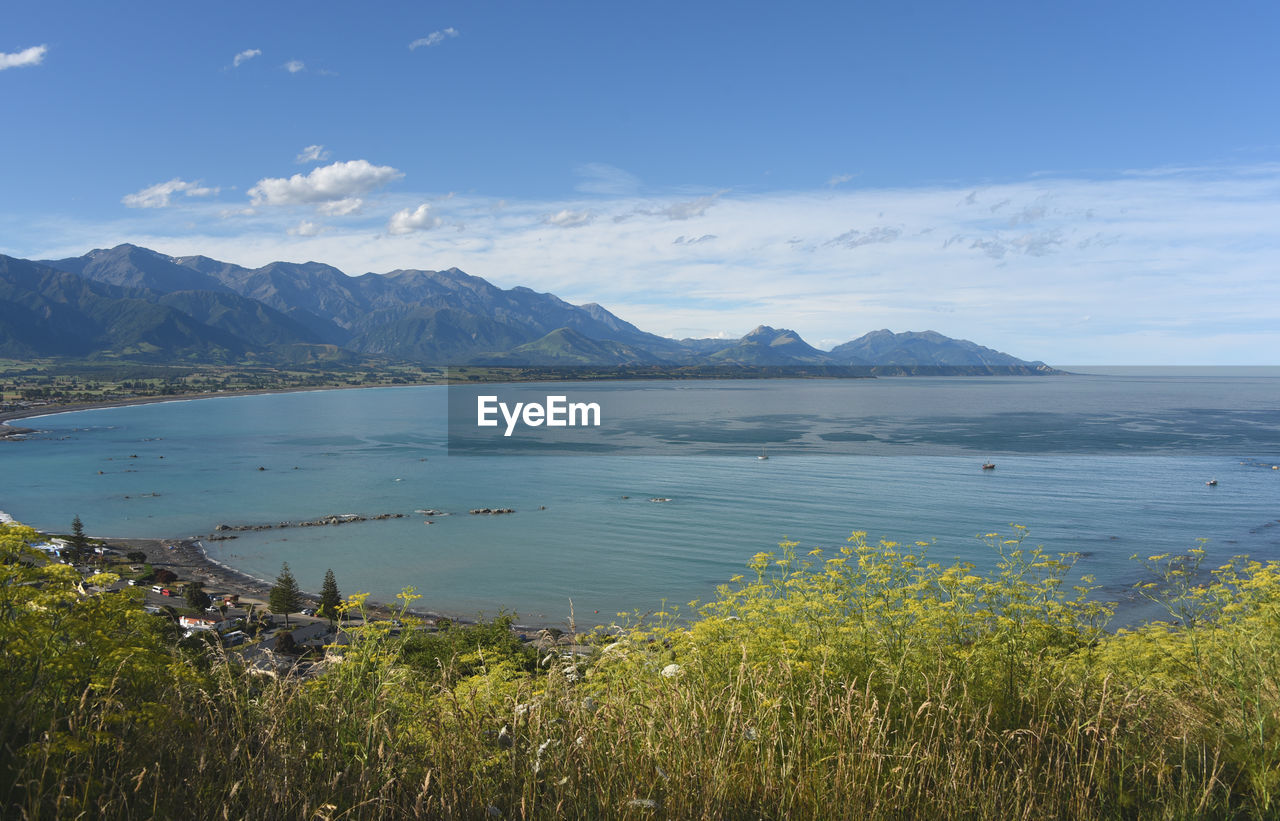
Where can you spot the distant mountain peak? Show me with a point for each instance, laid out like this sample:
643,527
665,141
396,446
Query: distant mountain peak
290,309
915,348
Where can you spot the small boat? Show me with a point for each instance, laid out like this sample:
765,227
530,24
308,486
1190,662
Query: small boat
764,454
1212,483
989,466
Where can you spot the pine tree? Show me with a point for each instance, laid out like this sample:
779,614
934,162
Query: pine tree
330,598
285,597
79,541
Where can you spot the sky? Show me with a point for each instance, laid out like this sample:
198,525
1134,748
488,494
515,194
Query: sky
1078,183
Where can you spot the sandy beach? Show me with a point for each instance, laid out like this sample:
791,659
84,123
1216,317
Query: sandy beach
187,559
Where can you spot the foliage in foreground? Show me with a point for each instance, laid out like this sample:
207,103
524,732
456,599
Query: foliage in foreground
868,684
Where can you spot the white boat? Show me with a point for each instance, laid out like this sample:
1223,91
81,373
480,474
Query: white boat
763,455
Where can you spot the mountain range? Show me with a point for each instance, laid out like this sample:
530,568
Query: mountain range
133,303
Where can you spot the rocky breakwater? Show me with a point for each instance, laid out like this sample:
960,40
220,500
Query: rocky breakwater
222,532
490,511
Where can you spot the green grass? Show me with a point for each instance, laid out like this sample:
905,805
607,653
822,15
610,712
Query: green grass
870,683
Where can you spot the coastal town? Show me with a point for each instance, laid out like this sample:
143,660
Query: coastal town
271,628
173,581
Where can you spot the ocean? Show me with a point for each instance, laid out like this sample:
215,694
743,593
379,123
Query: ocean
1106,465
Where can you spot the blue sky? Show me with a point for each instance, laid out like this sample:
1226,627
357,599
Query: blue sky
1082,183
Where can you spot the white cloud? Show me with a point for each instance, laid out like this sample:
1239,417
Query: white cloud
306,228
1170,268
158,195
340,182
245,56
342,207
33,56
295,66
435,38
839,179
686,210
569,219
412,219
312,153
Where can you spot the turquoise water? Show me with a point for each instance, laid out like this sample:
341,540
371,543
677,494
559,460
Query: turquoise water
1105,465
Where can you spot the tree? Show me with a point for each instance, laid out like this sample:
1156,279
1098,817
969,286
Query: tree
330,598
197,599
285,597
285,644
79,541
136,556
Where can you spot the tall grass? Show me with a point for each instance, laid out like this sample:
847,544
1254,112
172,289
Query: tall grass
868,684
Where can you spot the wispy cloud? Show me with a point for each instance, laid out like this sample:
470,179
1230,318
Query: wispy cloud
435,38
160,194
684,210
601,178
295,66
856,239
1028,215
569,219
312,153
839,179
245,56
33,56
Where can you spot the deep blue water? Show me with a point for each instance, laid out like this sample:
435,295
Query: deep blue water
1107,466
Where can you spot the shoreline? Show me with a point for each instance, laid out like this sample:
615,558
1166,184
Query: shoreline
7,417
187,559
9,430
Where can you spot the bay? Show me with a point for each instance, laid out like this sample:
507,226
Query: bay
1104,465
